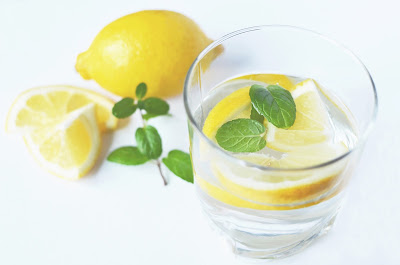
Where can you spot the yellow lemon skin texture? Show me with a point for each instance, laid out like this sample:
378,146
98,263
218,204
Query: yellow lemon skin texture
152,46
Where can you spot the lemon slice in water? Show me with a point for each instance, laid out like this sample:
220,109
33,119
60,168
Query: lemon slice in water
305,144
312,125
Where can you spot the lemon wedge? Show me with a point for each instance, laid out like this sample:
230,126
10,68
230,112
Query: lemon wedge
311,126
69,148
40,106
61,127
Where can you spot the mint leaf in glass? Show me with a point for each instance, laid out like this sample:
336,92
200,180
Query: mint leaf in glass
124,108
254,115
180,164
155,106
275,103
149,142
127,155
141,90
241,135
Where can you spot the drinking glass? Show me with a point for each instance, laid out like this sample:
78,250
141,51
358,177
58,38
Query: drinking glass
260,224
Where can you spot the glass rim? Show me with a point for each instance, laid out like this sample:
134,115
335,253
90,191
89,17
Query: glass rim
245,163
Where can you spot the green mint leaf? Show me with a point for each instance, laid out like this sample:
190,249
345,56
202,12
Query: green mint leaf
124,108
141,90
254,115
127,155
148,116
275,103
180,164
155,106
241,135
149,142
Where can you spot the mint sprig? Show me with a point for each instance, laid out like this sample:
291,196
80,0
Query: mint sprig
180,164
127,155
141,90
149,116
148,140
124,108
254,115
273,103
241,135
155,106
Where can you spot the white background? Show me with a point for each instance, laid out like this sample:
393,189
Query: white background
124,215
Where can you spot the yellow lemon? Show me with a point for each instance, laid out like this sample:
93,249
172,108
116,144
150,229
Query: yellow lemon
152,46
61,127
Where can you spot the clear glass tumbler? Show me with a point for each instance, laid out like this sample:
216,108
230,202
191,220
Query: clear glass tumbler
258,223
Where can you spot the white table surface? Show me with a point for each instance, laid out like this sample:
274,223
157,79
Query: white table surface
124,215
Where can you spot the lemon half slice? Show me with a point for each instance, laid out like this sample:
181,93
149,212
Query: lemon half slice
61,126
40,106
69,148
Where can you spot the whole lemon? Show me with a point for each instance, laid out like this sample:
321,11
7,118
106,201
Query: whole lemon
152,46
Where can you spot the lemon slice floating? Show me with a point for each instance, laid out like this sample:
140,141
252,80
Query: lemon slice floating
305,144
237,104
311,126
298,158
61,126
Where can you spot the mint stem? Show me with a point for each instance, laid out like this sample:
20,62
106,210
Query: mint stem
162,175
158,163
144,122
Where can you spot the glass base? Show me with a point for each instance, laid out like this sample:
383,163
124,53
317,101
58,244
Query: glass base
244,251
257,234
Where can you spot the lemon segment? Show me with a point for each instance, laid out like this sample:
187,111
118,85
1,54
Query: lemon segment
311,126
43,106
61,126
68,149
